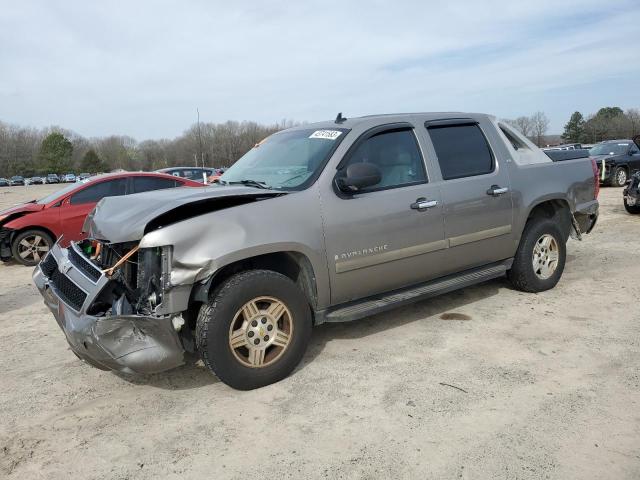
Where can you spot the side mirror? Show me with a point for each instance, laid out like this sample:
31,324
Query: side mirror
359,176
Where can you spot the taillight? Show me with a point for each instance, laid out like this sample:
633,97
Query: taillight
596,177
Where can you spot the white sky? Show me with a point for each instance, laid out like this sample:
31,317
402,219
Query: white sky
141,68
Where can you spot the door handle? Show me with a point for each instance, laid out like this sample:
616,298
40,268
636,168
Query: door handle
496,190
423,204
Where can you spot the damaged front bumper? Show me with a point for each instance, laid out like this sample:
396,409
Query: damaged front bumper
125,342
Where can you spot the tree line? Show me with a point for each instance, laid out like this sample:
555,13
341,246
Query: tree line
608,123
29,151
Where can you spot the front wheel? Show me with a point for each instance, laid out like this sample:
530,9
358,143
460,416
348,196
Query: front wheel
30,246
633,209
619,177
539,261
254,330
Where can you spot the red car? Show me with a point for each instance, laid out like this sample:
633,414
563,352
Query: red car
29,230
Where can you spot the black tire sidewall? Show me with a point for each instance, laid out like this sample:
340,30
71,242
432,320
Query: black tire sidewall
632,209
523,266
213,338
27,233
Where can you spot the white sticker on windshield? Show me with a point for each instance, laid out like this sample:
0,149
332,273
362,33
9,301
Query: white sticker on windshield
623,144
326,134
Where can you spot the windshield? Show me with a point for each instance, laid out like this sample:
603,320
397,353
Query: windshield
59,193
288,160
609,149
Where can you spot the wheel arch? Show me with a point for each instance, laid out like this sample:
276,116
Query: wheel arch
553,208
17,231
292,264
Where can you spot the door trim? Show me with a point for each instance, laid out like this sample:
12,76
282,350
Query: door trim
480,235
369,257
365,259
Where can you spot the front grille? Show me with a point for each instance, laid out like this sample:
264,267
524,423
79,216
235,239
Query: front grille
69,292
84,265
48,265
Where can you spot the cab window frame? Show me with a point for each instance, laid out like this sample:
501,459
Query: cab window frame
459,122
365,136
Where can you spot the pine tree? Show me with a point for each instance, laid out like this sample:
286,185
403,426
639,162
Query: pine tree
55,153
91,162
574,129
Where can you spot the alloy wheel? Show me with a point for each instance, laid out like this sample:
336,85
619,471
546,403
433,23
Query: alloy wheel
260,332
33,248
545,256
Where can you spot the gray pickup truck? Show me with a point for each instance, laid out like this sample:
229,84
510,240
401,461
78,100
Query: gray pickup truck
328,222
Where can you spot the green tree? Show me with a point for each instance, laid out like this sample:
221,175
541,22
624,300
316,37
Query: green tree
609,112
91,162
574,129
55,153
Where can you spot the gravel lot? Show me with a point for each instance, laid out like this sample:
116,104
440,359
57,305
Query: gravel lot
547,387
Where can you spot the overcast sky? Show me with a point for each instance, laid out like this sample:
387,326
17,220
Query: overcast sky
141,68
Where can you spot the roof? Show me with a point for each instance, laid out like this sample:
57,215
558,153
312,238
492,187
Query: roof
378,119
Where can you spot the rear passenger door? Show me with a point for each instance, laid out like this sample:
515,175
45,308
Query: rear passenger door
476,194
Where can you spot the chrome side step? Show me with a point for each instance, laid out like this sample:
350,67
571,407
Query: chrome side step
387,301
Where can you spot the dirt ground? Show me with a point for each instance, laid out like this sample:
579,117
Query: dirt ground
530,386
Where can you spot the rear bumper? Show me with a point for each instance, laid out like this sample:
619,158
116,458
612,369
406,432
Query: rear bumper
126,343
586,215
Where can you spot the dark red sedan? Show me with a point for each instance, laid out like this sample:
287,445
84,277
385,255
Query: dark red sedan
28,231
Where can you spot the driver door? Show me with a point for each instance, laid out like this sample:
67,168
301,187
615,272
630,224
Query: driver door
378,239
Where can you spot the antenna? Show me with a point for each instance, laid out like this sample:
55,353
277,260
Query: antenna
199,141
340,118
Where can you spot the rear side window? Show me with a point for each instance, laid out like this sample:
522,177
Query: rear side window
146,184
96,192
462,151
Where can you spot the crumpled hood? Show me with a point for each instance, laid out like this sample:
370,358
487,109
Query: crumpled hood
125,218
19,210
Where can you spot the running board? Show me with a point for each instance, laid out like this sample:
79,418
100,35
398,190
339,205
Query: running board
387,301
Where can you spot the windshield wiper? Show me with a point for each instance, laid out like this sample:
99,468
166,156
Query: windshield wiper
250,183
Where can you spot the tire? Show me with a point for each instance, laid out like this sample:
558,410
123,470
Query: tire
619,177
39,242
232,308
523,275
633,209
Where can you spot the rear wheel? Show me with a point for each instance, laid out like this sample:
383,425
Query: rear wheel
30,246
619,177
539,261
254,330
633,209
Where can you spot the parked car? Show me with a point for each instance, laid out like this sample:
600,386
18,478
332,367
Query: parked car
4,182
328,222
28,231
53,178
617,160
69,178
36,181
17,180
84,176
192,173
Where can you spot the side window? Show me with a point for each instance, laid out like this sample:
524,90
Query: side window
462,151
634,150
397,156
96,192
146,184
